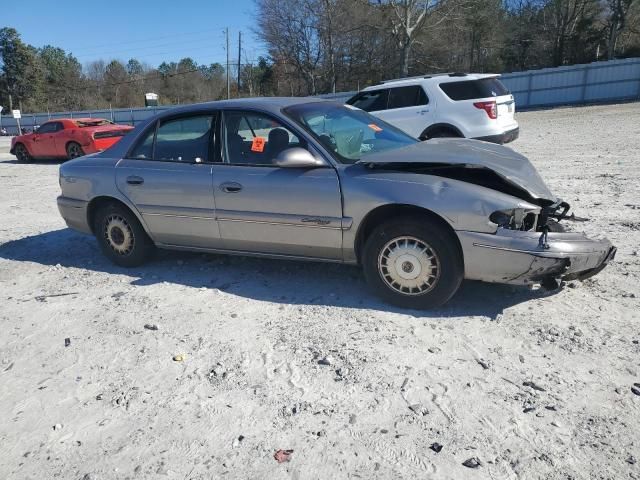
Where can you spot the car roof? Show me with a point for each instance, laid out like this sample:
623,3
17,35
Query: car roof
434,78
270,104
75,119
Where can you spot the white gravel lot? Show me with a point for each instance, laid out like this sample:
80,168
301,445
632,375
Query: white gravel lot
114,405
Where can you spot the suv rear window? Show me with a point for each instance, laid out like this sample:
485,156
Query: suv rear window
472,89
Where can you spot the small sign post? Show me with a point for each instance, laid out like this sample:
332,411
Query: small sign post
17,115
150,99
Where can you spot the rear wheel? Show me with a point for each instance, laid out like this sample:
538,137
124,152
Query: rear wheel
22,154
74,150
413,263
121,237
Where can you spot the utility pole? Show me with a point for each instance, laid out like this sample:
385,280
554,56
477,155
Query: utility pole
239,50
228,84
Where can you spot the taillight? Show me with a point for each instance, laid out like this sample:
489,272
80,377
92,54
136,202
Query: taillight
490,107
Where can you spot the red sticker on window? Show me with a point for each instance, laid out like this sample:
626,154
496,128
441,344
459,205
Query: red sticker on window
258,144
375,127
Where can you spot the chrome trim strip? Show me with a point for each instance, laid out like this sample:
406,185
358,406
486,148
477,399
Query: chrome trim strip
283,224
176,216
536,253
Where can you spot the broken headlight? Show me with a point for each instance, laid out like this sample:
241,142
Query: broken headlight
515,219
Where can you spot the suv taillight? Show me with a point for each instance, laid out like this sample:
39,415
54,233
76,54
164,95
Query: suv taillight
490,107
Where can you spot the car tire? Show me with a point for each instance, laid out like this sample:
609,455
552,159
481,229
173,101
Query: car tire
74,150
22,154
121,236
398,254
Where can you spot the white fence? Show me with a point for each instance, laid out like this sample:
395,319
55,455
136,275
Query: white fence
598,82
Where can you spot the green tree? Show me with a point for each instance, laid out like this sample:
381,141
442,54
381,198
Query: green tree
21,76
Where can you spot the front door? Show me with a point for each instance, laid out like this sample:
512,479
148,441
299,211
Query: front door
268,209
408,109
168,178
44,140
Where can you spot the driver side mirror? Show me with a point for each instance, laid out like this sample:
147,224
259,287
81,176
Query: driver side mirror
297,157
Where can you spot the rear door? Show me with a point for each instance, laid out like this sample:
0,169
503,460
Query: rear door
408,109
167,176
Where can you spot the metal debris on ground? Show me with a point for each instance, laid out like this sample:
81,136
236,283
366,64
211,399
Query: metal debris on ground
472,462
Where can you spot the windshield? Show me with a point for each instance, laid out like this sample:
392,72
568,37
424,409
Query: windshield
348,132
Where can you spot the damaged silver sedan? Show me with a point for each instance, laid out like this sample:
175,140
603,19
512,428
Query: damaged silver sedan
315,180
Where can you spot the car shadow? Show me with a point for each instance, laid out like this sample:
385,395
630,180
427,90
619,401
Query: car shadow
39,161
280,281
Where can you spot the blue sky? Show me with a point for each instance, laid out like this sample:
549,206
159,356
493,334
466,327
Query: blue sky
151,31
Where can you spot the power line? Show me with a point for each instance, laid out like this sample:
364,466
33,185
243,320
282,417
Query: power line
112,52
128,42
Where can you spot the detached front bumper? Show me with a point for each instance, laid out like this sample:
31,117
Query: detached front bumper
516,257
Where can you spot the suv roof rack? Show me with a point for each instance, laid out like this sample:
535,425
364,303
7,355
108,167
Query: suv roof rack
430,75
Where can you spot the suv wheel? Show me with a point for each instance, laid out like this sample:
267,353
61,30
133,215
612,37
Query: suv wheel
413,263
121,237
441,133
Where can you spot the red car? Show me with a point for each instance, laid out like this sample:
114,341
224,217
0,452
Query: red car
67,138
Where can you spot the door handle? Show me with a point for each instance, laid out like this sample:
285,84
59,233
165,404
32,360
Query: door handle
135,180
230,187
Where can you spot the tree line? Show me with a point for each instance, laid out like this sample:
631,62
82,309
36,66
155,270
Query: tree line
322,46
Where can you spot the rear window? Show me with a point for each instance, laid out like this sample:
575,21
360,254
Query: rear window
472,89
92,123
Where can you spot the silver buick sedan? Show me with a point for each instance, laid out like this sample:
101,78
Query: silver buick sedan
316,180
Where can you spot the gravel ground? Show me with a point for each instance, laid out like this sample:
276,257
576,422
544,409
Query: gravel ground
284,355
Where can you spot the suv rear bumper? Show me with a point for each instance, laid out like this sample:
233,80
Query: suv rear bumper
505,137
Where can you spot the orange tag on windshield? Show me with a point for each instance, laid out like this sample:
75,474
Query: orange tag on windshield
375,127
258,144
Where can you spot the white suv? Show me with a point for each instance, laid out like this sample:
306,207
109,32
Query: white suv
444,105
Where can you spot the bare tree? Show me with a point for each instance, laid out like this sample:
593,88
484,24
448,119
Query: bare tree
616,22
409,17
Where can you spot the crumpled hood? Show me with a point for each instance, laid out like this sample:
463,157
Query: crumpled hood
511,166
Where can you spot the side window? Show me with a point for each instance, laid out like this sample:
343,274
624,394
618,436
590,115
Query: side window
185,139
252,138
59,126
47,128
144,149
401,97
372,101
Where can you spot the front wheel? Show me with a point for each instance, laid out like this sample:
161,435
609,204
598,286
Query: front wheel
413,263
74,150
121,236
22,154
